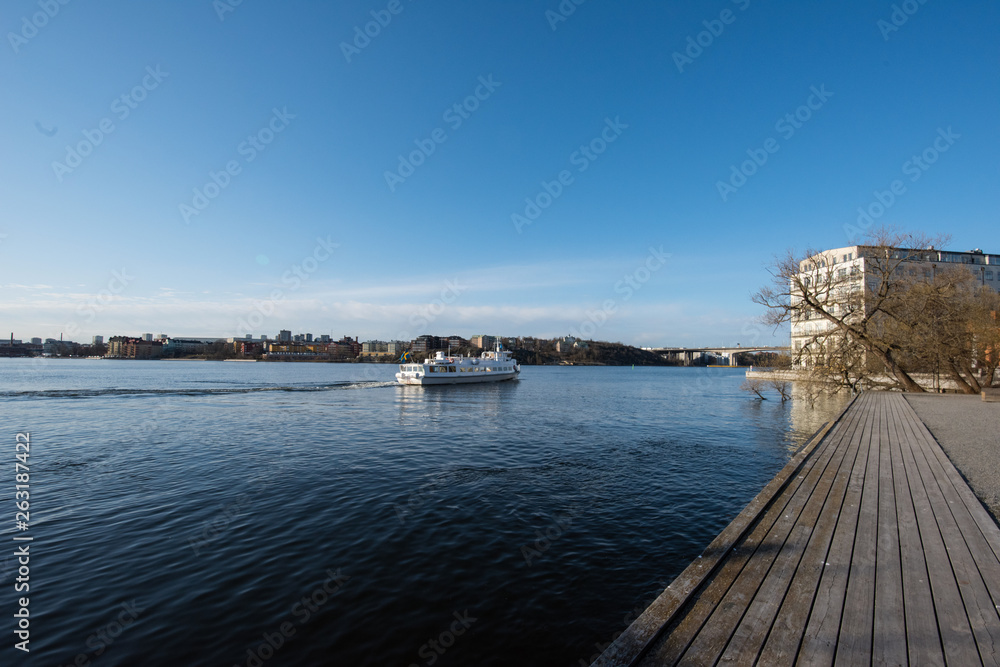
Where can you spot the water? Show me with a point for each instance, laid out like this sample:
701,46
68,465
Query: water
200,513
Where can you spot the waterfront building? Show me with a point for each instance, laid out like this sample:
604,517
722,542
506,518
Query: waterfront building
248,348
425,343
125,347
483,341
841,274
173,346
96,340
564,345
374,347
296,350
346,346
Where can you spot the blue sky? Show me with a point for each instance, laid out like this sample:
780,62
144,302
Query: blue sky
619,121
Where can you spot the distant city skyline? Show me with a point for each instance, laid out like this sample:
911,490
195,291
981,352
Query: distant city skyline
390,169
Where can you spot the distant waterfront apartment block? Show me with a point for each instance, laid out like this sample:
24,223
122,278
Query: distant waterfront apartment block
374,348
124,347
483,341
846,270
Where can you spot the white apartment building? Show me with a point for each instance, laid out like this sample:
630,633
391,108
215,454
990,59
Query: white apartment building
842,272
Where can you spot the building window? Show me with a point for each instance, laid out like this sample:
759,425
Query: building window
989,275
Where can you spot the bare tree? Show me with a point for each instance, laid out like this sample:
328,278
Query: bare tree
850,305
984,323
783,388
947,325
754,386
886,315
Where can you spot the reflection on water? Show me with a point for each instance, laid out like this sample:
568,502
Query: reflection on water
810,412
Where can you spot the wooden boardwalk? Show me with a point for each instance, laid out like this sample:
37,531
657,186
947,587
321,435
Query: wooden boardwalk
868,548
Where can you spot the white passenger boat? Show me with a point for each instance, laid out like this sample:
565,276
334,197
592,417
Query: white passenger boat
492,366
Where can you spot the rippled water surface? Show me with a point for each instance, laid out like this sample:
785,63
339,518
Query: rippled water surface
199,513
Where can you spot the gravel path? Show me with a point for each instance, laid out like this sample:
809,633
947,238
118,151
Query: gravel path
968,431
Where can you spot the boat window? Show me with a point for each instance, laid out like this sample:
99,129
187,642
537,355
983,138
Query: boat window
451,369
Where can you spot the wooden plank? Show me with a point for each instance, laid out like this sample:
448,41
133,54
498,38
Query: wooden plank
688,626
923,642
720,629
629,647
776,618
955,521
889,632
712,596
958,644
854,644
987,526
782,644
750,634
819,642
867,547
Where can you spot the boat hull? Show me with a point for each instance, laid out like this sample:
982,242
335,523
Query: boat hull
470,378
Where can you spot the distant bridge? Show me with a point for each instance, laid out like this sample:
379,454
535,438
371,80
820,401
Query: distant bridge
690,354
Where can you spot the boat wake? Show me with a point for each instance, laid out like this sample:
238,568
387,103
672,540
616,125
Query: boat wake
191,391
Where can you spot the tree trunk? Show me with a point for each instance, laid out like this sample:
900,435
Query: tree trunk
908,383
964,385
